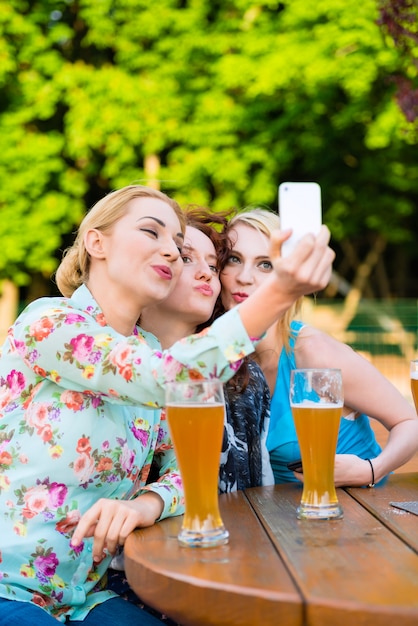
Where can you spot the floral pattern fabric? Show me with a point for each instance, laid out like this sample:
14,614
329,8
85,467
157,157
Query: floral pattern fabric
80,420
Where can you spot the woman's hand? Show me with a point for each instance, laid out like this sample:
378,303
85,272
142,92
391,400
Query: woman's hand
111,521
349,471
308,268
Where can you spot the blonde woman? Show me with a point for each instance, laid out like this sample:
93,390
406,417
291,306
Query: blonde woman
288,344
80,398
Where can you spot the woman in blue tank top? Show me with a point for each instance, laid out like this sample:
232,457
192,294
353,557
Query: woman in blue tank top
291,344
355,436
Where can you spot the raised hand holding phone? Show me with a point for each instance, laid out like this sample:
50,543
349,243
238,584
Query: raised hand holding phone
300,210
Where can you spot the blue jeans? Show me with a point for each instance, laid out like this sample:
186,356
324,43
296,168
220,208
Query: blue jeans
113,612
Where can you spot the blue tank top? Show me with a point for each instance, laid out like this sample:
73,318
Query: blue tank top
355,435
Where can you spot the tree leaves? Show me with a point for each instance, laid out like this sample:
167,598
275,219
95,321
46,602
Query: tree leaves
229,98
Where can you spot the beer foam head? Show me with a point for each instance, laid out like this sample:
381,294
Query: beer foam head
321,404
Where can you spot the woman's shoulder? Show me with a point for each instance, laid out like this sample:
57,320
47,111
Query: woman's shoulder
317,347
309,331
42,307
80,303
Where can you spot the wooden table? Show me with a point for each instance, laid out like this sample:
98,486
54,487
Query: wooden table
277,570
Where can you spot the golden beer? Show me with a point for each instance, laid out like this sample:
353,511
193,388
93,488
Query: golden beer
316,399
414,388
414,382
196,415
317,427
197,432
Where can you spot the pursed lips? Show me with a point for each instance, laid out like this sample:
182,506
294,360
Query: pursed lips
239,296
163,271
205,289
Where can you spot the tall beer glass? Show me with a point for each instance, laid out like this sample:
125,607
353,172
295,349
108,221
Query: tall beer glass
316,398
195,414
414,382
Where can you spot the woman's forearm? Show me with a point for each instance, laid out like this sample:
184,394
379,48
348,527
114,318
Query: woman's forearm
401,446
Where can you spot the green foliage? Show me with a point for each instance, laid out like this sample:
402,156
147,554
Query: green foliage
233,97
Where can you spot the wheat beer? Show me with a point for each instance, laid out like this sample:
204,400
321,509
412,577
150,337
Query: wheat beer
197,433
316,399
317,428
195,414
414,382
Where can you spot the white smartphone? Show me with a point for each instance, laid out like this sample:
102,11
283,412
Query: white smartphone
299,209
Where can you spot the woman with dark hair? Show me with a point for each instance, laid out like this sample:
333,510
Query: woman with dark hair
191,307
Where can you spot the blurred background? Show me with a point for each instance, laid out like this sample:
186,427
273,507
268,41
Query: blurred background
216,102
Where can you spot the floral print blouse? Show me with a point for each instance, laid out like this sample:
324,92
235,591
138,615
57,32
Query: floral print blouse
80,420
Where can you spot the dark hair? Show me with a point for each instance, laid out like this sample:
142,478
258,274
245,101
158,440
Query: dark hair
213,225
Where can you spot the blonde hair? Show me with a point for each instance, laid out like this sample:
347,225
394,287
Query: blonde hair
265,222
74,268
261,219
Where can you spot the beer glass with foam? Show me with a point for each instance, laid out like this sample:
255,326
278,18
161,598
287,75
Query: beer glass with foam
195,413
414,382
316,399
